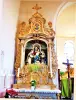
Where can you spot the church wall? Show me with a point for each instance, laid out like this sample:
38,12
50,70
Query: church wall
48,9
1,20
60,51
1,17
66,21
10,17
65,29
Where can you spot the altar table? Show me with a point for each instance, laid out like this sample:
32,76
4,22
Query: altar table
38,93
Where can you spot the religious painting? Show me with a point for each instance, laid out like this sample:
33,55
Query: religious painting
36,51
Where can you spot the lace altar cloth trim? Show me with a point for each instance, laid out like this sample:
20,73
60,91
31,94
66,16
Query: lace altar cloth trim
38,90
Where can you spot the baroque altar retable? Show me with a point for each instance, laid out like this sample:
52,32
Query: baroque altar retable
35,55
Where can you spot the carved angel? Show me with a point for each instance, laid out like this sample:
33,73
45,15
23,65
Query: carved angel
50,30
22,28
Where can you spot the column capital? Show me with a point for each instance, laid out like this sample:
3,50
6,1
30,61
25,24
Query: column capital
22,42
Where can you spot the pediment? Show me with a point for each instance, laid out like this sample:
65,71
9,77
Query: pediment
36,27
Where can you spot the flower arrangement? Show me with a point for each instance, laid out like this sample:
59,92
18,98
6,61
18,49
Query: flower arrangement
33,84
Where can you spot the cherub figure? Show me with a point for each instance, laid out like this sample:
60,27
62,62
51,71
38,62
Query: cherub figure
22,28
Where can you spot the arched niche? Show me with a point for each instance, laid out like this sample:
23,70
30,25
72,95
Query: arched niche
25,48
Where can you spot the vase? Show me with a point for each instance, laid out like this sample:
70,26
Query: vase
32,87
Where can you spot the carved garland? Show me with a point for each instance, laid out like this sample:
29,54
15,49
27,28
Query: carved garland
54,60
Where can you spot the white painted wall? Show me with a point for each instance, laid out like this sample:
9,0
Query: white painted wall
1,23
65,30
7,37
1,17
48,10
60,51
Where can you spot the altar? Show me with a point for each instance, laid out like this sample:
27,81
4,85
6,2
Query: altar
38,93
35,58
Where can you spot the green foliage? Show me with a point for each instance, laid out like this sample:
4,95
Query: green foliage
33,83
34,67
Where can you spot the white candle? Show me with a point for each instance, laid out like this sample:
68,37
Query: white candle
18,71
51,71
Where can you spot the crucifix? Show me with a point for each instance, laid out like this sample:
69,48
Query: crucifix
36,7
68,66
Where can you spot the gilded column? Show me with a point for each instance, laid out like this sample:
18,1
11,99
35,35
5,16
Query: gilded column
22,54
50,58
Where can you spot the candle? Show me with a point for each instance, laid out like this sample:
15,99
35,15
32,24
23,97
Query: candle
18,71
51,70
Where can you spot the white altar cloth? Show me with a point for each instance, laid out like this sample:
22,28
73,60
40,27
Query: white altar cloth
37,93
37,90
